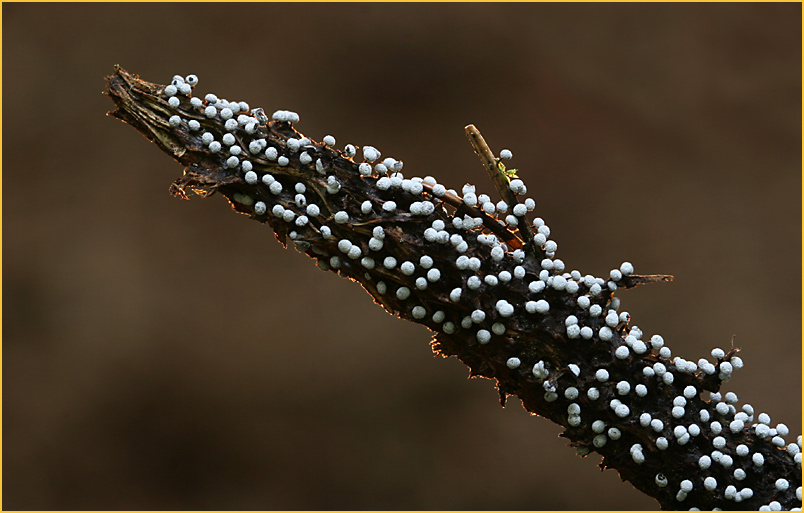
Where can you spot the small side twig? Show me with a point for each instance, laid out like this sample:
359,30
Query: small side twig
500,181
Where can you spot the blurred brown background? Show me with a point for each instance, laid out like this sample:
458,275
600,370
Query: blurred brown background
169,354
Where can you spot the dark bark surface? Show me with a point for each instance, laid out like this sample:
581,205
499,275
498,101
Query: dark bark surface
657,438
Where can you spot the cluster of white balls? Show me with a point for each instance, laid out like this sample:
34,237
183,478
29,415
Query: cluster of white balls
468,278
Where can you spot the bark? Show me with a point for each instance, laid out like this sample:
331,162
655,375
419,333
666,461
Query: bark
539,356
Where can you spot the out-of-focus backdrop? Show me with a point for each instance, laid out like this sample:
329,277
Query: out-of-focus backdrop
166,354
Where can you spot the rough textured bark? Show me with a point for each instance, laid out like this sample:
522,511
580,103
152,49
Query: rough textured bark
494,297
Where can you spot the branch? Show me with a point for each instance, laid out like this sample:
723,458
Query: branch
492,292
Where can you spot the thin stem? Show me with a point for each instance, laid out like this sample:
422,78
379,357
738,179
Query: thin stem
501,182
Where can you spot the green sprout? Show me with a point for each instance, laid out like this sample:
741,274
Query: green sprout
509,174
